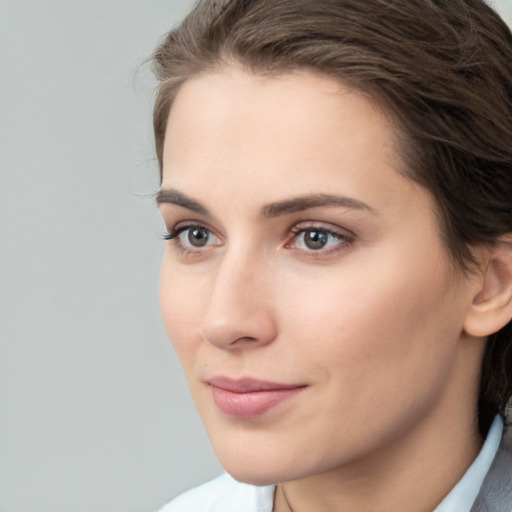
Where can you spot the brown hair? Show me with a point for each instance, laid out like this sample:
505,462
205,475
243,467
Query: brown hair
443,68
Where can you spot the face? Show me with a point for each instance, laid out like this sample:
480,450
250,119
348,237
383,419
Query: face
304,286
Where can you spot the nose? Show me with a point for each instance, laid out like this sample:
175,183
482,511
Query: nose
240,311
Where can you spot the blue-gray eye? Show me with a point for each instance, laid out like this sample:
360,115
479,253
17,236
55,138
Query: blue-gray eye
198,237
314,239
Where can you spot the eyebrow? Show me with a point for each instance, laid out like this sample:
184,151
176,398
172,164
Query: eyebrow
171,196
275,209
301,203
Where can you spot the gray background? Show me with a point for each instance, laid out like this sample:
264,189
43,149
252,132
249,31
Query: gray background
95,415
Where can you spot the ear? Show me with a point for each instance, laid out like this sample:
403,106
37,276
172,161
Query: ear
491,307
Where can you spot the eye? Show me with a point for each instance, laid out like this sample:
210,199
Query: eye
190,237
319,239
315,239
196,237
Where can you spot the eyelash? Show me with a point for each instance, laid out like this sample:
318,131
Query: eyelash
174,236
345,240
176,232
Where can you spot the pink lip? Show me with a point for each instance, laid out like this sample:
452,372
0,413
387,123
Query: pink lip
249,398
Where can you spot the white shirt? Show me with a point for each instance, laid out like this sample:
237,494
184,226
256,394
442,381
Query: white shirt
224,494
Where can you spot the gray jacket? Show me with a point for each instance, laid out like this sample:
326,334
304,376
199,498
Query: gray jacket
496,492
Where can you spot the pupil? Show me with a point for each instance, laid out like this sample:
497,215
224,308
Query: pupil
198,237
315,239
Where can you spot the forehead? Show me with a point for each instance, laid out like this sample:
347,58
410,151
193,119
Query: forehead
287,122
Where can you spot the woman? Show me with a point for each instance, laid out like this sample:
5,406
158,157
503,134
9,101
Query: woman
337,190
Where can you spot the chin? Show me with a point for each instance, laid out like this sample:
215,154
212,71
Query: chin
260,476
260,466
249,468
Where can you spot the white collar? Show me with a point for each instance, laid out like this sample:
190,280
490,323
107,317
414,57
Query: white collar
463,495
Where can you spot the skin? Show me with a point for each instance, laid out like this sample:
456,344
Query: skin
372,324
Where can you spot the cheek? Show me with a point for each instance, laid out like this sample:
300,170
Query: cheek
381,347
181,304
396,322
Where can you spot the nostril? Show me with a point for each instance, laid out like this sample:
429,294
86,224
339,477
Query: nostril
230,336
244,340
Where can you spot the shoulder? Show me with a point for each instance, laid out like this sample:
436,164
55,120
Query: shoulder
223,494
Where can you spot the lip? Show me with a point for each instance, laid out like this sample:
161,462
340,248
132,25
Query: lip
249,398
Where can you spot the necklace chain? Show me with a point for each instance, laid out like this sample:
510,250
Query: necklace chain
287,503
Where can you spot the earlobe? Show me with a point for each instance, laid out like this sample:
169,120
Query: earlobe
491,307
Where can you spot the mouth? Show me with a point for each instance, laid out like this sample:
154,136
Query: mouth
250,398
